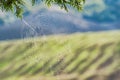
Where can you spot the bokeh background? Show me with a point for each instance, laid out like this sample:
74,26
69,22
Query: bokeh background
52,44
98,15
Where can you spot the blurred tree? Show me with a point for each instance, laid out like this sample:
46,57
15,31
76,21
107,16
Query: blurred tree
17,6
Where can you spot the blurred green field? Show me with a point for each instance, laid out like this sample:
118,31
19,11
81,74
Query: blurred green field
79,56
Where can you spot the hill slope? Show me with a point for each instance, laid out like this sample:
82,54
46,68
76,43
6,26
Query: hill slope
86,56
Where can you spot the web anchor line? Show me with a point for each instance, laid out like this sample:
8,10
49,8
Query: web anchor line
31,32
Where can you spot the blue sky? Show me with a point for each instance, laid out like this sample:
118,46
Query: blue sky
97,15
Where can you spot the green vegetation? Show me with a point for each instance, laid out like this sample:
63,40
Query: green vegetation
17,6
85,56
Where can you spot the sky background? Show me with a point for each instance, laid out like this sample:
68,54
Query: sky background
39,20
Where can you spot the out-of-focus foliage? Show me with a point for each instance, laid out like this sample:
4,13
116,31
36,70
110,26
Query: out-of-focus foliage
17,6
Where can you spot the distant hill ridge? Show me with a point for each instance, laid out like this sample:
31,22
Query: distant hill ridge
98,15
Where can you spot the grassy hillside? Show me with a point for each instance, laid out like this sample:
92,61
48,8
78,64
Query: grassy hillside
86,56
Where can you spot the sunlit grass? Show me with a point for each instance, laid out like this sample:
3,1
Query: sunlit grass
82,54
